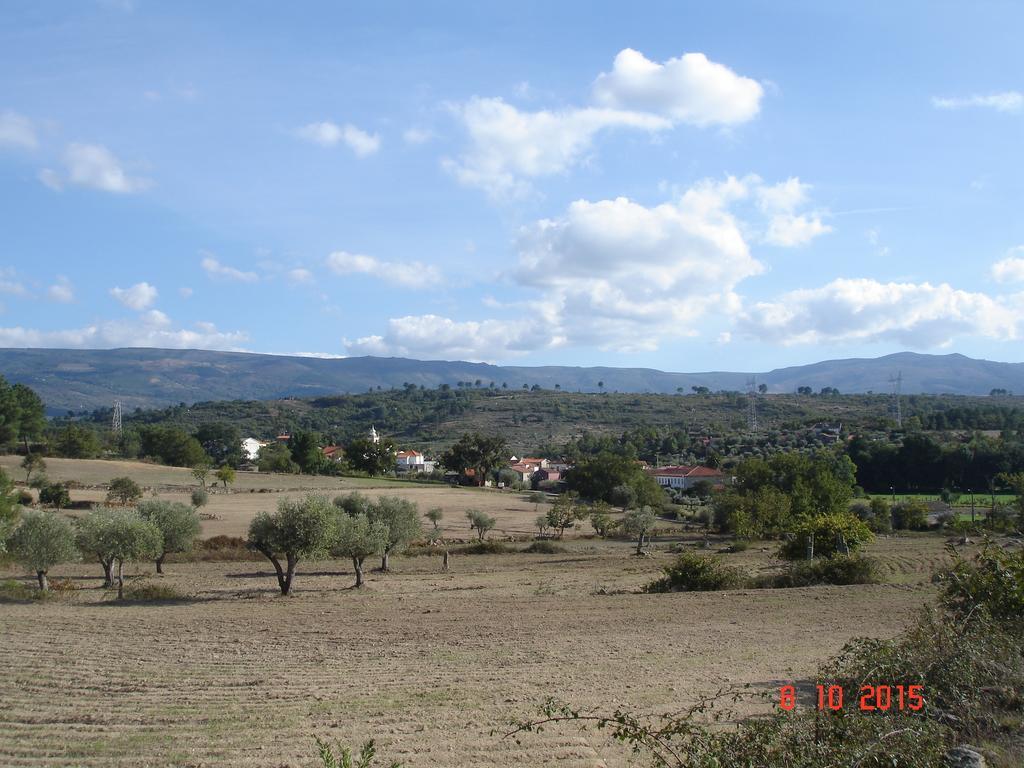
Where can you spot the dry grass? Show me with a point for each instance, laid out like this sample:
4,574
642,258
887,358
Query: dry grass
427,663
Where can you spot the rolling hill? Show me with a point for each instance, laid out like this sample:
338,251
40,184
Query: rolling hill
69,379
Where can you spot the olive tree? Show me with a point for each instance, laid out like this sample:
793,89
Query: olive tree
601,519
178,524
639,523
226,476
565,512
358,537
123,490
200,498
480,522
117,536
435,515
300,529
43,540
353,503
401,518
201,472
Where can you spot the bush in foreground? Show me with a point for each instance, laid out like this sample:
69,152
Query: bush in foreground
545,547
840,570
149,592
696,573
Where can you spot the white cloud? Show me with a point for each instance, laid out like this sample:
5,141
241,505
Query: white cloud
429,336
150,330
328,134
614,274
507,144
1011,268
413,274
299,276
215,270
417,135
17,131
1006,101
508,147
50,178
138,297
92,165
62,291
688,89
185,292
10,283
786,227
918,315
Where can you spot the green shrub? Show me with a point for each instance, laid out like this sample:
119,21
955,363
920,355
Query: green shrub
910,515
696,573
25,498
343,758
148,591
740,545
994,581
15,590
483,548
828,532
838,569
545,548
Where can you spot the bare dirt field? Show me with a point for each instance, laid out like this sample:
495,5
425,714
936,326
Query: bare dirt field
427,663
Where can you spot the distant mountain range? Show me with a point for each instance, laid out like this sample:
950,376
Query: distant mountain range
73,379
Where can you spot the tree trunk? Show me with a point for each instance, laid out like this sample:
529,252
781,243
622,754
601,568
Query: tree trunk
108,572
640,544
43,583
286,586
160,563
385,561
120,579
444,563
357,565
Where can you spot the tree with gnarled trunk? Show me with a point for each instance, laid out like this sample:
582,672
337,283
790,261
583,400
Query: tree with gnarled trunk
639,523
401,519
178,524
43,540
358,537
300,529
480,522
117,536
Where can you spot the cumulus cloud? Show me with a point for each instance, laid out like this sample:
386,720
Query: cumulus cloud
508,147
17,131
328,134
1011,268
216,270
61,291
918,315
10,283
138,297
92,165
786,227
507,144
434,336
412,274
151,329
617,274
688,89
1005,101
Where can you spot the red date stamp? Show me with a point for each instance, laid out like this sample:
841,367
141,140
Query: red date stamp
870,698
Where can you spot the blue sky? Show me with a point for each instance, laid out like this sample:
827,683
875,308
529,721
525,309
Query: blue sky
676,185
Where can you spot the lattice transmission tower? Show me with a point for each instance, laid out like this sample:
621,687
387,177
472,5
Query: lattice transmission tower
115,423
752,404
897,410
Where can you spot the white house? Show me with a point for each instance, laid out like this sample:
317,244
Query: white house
251,448
409,461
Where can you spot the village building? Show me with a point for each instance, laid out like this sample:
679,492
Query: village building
683,477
